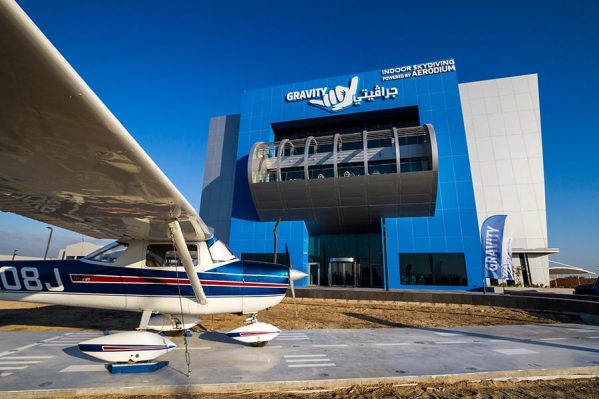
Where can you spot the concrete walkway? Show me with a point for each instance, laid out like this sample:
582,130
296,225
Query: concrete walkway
304,358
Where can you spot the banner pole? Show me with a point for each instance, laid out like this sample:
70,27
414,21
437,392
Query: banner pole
484,283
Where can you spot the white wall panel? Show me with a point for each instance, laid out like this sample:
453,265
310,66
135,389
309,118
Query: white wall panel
506,176
536,170
524,101
478,108
488,171
503,133
528,121
485,149
492,105
521,171
539,189
508,103
504,86
526,197
490,89
512,123
476,92
481,125
510,199
520,84
532,145
493,201
501,149
516,145
496,125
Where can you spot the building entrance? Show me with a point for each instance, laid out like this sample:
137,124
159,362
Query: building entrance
314,273
346,260
342,272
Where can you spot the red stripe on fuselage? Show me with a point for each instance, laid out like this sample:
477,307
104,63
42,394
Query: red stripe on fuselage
99,278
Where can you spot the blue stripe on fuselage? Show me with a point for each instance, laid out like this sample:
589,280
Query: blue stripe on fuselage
239,271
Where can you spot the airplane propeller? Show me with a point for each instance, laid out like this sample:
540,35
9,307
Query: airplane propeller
294,275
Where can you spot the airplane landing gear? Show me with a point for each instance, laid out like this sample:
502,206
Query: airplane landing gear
165,323
254,332
251,319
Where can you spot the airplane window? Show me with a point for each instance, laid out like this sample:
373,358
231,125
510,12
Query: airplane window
164,255
108,254
219,252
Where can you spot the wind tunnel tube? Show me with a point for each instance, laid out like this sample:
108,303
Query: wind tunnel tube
343,181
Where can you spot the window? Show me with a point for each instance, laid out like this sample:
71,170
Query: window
109,253
296,173
219,251
411,140
433,269
415,164
164,255
382,167
321,171
350,169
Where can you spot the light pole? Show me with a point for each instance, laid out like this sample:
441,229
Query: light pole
14,253
49,239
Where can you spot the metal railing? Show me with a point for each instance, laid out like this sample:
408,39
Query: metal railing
342,155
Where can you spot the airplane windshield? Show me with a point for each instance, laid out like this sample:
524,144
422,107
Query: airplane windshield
109,253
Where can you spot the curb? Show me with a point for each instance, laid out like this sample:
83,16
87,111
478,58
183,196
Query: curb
573,305
305,385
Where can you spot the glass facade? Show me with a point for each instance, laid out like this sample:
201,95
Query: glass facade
333,252
447,269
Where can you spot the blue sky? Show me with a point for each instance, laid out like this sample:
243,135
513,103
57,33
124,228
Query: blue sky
164,68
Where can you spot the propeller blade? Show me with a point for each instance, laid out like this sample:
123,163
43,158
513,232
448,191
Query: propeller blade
292,288
291,285
293,276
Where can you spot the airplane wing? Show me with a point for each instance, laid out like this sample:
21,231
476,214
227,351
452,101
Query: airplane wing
64,157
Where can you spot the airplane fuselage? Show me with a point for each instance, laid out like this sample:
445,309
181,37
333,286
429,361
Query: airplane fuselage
235,287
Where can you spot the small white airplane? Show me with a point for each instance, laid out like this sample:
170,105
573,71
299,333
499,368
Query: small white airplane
66,160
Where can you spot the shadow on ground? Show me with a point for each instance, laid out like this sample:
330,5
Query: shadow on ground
59,317
374,320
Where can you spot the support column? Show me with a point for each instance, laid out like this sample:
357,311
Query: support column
192,275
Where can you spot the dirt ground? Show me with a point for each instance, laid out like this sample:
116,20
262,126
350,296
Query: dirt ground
562,388
306,314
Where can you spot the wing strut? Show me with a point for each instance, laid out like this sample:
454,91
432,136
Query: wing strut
187,262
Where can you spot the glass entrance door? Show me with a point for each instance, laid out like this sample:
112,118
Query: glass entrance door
342,272
314,273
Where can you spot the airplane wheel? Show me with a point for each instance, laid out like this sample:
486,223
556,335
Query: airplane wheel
259,344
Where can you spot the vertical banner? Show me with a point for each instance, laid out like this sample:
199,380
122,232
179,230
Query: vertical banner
507,271
491,240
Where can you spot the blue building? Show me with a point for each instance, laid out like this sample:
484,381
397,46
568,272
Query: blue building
379,179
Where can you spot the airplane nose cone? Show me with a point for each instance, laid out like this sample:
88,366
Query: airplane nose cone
295,275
